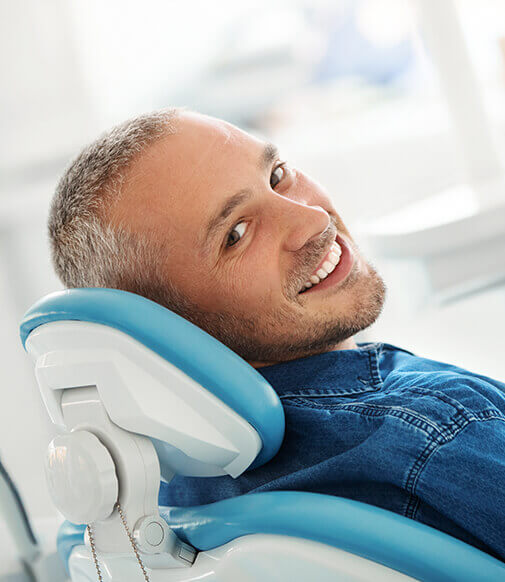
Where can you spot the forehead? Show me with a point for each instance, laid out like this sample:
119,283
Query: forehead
206,160
201,147
203,140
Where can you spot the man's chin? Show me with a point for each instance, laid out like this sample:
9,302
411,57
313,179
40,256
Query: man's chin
285,334
337,317
320,331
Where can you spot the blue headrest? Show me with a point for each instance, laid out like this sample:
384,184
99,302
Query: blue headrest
195,352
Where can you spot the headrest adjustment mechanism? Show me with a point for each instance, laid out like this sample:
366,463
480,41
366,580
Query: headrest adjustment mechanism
81,477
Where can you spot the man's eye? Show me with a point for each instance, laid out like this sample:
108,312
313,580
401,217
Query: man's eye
237,228
277,175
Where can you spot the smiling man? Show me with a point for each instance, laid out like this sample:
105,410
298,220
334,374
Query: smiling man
246,232
193,213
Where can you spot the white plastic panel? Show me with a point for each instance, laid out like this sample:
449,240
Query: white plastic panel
142,393
254,558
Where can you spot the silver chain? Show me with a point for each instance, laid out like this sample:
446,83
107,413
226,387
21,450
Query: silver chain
93,552
130,537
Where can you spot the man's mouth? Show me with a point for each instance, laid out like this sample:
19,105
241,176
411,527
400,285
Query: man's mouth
334,267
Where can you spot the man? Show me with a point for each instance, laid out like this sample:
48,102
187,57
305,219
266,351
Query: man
211,222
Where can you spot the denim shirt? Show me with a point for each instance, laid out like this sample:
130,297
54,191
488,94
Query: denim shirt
381,425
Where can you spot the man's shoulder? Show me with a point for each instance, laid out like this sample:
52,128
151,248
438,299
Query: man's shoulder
402,360
438,388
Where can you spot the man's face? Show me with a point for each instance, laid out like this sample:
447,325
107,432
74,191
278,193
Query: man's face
244,276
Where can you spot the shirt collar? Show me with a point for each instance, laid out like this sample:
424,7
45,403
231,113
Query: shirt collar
339,372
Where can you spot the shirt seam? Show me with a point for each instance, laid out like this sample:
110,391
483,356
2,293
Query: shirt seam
377,410
328,392
421,462
373,360
443,430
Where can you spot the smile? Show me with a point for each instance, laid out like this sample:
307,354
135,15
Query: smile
334,267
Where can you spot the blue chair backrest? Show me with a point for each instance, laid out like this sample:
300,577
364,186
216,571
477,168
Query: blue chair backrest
195,352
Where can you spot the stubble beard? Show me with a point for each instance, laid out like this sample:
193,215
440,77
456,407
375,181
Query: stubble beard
284,334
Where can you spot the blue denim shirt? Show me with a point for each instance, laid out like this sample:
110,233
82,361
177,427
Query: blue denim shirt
381,425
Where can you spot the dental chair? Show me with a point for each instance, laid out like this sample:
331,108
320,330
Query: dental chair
136,393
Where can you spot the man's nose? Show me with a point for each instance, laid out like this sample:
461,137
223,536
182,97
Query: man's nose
302,223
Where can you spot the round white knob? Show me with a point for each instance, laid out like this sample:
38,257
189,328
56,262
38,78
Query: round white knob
153,535
81,477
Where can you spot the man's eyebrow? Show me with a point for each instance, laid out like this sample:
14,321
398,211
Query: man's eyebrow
268,156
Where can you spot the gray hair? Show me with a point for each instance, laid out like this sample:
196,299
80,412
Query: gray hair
86,249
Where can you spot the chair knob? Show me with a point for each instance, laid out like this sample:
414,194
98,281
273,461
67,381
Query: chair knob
81,477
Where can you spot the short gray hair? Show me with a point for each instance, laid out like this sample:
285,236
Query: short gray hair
86,249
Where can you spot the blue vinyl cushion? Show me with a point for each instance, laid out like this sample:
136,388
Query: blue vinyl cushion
397,542
195,352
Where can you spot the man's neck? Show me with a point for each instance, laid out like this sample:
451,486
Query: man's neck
348,344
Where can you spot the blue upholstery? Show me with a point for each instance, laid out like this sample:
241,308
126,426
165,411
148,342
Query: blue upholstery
69,536
185,345
390,539
373,533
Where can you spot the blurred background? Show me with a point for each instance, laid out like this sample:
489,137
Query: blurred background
397,107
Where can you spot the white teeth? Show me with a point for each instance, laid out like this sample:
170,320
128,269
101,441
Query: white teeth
336,249
335,253
327,267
